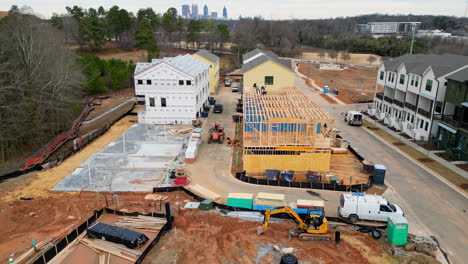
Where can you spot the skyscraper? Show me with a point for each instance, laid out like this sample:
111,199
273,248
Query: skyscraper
194,10
186,11
224,12
214,14
205,11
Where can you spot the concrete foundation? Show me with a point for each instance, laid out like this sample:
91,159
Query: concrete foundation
135,162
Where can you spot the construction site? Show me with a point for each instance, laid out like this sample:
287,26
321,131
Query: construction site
145,193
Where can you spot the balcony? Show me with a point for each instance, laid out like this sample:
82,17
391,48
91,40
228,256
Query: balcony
399,103
424,113
449,120
388,99
379,96
411,107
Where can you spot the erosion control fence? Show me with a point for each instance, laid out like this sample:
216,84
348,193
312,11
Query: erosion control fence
62,244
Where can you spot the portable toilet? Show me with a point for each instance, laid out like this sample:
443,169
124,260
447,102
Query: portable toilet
379,174
397,230
325,89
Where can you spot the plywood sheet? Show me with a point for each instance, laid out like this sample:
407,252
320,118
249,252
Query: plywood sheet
270,196
241,195
310,203
203,192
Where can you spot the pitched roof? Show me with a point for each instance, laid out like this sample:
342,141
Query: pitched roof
460,76
186,63
207,55
418,63
257,57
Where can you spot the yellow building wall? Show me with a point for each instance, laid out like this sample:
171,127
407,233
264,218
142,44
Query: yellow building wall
214,72
282,77
318,161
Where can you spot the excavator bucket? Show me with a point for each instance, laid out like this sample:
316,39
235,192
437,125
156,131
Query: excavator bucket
260,230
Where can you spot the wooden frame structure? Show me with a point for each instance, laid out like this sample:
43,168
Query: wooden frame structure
281,125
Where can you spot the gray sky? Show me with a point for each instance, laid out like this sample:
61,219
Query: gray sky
276,9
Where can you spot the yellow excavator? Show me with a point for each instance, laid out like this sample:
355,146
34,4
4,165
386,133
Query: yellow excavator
313,228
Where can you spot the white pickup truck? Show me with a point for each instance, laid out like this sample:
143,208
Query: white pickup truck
356,206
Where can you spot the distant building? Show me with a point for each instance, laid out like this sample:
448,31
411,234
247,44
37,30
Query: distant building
386,27
214,14
186,11
432,34
205,11
194,10
225,13
173,89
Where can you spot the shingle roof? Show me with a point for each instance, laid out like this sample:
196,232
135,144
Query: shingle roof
257,57
418,63
186,63
460,76
207,55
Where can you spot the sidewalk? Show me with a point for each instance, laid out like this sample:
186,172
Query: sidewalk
438,166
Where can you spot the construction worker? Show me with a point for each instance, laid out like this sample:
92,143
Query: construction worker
228,141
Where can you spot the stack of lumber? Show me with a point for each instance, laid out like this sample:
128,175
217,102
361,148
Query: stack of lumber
180,131
31,253
141,222
243,200
155,197
203,192
339,150
121,251
270,199
309,203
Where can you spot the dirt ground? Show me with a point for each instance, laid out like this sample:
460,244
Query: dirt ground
206,237
360,59
354,84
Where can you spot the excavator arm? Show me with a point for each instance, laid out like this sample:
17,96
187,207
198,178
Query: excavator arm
285,209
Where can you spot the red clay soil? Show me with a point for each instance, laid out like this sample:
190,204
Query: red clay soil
203,237
56,215
353,84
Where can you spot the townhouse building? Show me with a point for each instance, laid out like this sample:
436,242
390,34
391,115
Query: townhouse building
172,90
414,89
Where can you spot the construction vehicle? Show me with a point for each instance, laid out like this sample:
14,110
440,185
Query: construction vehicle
313,228
216,133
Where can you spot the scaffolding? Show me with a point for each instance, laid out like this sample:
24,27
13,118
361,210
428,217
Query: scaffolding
284,129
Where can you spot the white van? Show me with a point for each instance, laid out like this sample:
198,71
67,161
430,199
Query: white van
357,206
354,118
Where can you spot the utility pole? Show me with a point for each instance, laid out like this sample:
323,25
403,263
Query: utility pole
412,39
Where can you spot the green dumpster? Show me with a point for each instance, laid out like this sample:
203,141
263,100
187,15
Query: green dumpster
206,205
397,230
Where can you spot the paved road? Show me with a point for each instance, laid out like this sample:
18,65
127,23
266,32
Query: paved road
438,207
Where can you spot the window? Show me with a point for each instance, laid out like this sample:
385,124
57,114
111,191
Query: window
428,85
393,77
412,79
402,79
151,102
268,80
163,102
412,118
188,82
384,208
417,81
427,126
181,82
408,116
148,81
421,124
382,75
389,76
140,81
438,107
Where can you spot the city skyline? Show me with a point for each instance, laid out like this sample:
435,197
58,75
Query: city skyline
272,9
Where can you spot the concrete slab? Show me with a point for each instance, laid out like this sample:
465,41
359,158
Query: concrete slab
134,162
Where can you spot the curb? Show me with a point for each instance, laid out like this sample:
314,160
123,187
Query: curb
433,173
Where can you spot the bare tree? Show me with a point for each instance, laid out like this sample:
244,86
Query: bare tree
345,57
321,55
371,59
39,84
333,54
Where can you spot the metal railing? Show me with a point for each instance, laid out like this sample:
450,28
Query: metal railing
388,99
410,106
379,96
399,103
424,113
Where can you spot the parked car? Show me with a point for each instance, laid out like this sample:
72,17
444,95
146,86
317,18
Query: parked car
237,80
354,118
235,88
218,108
366,207
227,82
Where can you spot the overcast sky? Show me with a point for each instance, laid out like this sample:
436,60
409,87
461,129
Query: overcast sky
276,9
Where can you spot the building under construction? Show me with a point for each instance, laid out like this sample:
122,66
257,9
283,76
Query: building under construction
285,130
